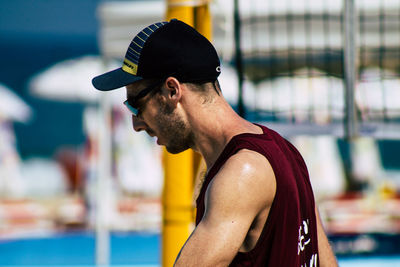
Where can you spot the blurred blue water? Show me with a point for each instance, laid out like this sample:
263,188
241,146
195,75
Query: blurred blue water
133,249
79,249
384,261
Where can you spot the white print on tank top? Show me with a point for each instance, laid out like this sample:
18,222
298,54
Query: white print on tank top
304,240
313,261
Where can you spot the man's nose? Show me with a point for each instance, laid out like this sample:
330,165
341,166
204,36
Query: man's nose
138,124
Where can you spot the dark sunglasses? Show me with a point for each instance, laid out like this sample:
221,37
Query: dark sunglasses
130,103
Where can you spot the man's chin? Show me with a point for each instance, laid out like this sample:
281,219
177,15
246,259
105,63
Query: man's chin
175,150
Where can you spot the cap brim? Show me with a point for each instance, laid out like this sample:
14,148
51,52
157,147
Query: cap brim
114,79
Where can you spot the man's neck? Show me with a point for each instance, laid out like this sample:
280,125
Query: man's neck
213,129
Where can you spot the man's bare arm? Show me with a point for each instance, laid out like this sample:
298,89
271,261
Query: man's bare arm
244,186
326,256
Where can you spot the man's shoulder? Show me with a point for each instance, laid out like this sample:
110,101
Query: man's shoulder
249,161
247,169
244,185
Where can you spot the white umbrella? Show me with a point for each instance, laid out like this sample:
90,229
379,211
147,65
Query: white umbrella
378,92
12,107
70,80
299,96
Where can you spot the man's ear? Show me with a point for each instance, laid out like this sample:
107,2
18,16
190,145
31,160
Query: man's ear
173,90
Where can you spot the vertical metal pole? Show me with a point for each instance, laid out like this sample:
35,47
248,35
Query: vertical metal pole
351,129
104,174
238,57
180,9
177,204
178,169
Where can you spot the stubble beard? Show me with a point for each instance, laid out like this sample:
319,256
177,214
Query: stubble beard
173,128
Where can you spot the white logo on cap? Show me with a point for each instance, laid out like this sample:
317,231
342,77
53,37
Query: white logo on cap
218,69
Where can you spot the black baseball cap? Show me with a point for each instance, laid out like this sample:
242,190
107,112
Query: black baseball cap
164,49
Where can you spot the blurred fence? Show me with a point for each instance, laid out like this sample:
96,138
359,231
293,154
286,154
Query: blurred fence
292,54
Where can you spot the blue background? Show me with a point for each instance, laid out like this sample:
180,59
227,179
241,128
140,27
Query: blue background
35,34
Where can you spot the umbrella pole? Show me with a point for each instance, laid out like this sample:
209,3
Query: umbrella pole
104,174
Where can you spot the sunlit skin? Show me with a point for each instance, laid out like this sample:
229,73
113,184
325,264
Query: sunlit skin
158,118
199,131
181,118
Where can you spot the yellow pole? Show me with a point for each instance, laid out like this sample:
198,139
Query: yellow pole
180,9
177,204
179,170
203,21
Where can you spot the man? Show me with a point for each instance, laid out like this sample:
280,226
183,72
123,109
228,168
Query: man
256,205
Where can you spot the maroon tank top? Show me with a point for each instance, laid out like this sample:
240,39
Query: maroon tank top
289,236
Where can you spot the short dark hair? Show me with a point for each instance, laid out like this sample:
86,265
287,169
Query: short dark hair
203,86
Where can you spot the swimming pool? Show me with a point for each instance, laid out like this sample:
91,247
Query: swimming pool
127,249
78,249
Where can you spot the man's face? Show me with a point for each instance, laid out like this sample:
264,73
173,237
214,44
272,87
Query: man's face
160,119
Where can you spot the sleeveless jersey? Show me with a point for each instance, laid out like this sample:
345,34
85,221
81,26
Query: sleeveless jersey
289,236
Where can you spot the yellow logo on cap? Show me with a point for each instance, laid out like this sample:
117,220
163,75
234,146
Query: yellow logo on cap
129,67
